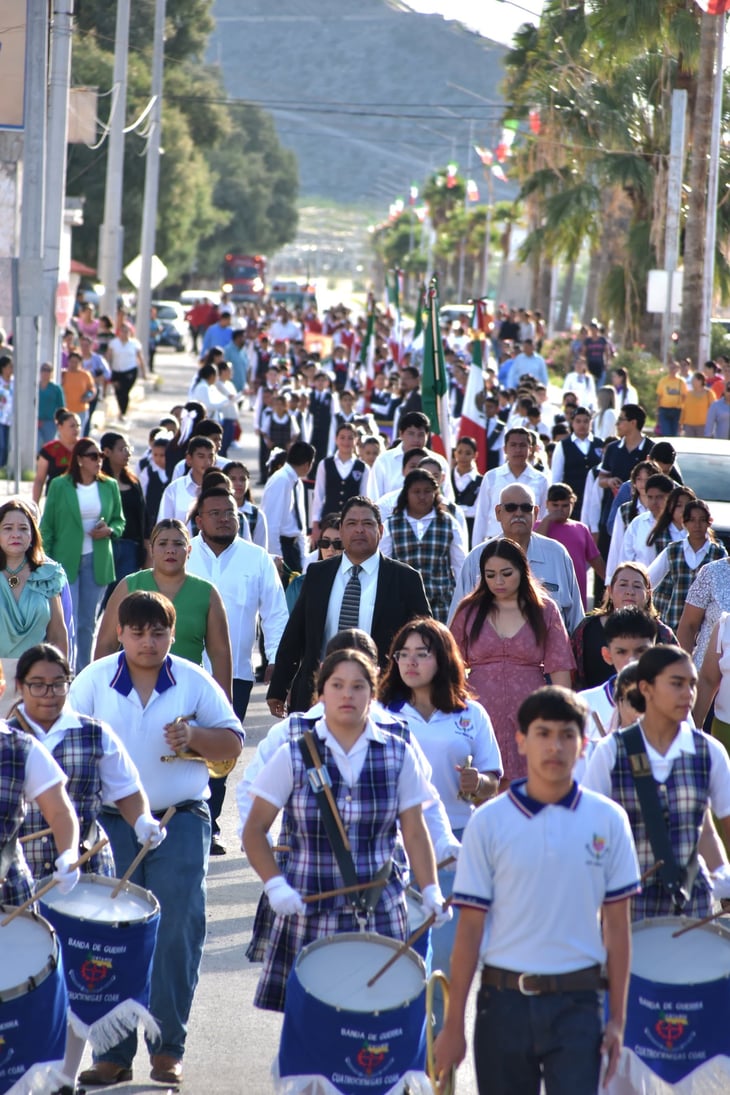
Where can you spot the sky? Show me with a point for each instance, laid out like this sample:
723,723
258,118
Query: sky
496,19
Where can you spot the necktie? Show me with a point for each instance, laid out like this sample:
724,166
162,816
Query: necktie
350,607
295,505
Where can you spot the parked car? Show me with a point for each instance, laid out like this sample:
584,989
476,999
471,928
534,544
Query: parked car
189,297
705,467
171,314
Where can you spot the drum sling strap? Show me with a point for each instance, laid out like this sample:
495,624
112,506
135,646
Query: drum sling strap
365,901
7,858
677,880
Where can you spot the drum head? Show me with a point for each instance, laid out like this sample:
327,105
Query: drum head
336,970
700,956
91,899
28,949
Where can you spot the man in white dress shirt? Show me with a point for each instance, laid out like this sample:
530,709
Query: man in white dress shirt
249,585
180,495
515,470
283,506
387,471
549,561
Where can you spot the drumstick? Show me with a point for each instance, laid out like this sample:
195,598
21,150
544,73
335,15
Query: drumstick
52,882
327,790
141,854
467,764
35,836
281,848
652,870
699,923
342,890
601,728
444,863
404,947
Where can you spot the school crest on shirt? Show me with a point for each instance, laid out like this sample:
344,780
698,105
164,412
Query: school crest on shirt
596,849
356,475
464,726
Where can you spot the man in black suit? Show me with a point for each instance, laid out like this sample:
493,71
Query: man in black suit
389,594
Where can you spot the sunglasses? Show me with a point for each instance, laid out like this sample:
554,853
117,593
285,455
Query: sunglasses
92,455
523,507
336,544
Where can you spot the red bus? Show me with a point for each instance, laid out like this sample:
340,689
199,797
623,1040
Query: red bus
244,277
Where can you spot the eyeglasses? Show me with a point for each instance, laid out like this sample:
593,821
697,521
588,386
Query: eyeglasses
223,514
42,688
336,544
92,455
523,507
409,655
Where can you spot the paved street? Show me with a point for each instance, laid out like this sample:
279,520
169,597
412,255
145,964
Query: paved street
230,1043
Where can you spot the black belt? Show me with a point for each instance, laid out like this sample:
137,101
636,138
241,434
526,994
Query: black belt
537,984
289,539
191,805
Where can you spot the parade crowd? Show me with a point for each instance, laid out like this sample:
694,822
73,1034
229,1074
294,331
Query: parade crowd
497,671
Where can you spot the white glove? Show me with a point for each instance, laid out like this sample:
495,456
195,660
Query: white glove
433,902
449,848
721,882
146,827
284,900
64,875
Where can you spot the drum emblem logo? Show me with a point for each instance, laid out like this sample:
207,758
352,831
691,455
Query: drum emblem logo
372,1057
94,971
671,1029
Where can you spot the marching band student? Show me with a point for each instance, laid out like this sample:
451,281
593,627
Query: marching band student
376,780
544,1023
161,705
689,772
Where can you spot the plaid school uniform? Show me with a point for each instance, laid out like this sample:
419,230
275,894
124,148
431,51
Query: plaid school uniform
369,810
683,798
78,754
14,750
670,595
264,918
429,555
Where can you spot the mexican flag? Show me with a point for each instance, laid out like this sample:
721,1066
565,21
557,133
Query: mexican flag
434,385
473,419
367,350
714,7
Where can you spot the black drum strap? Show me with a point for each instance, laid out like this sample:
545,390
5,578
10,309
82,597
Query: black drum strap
677,880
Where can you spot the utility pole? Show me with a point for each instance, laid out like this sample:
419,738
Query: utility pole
30,257
59,82
462,248
708,281
151,178
674,202
111,233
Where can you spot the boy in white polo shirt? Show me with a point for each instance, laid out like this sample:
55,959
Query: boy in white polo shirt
547,860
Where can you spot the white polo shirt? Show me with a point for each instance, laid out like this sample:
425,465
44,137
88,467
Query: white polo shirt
117,773
542,872
104,690
448,738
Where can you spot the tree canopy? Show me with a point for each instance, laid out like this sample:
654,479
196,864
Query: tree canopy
225,179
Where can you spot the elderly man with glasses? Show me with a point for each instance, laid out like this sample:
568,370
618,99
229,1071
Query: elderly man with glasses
516,514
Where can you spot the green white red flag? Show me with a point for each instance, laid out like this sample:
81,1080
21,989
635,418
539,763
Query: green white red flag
473,421
434,384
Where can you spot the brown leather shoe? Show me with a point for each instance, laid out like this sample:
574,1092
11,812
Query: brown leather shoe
165,1069
105,1073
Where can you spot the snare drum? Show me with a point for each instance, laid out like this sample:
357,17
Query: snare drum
32,996
679,999
108,945
360,1039
417,916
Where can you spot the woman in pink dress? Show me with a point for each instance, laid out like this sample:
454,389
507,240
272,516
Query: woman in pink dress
510,635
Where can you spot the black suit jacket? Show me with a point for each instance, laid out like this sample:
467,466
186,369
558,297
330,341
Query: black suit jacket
399,597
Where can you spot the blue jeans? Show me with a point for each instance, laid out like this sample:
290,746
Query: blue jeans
175,873
4,446
46,431
520,1041
86,597
668,421
442,939
127,555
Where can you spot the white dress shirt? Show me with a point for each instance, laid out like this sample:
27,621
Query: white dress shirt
660,567
558,465
343,469
248,582
178,498
281,494
368,589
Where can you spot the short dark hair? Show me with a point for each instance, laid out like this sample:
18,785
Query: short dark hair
629,623
208,427
660,481
467,441
516,431
553,703
353,638
413,454
634,413
146,609
199,442
361,500
560,492
301,452
414,418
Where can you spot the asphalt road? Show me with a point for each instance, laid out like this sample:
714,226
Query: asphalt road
230,1044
